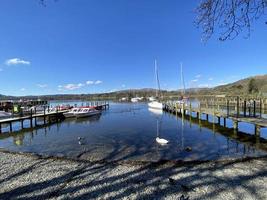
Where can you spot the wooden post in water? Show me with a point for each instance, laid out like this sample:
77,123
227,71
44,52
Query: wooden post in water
260,107
199,115
10,126
224,122
237,106
227,107
245,107
21,122
257,130
254,108
235,124
44,116
0,128
31,119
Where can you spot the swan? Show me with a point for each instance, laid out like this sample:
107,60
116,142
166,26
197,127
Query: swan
161,140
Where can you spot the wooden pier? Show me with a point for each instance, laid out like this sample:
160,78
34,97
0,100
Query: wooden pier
45,116
219,112
32,118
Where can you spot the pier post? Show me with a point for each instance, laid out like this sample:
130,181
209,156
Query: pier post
257,130
0,128
235,124
224,122
260,107
10,126
207,117
21,122
219,120
44,116
245,108
31,119
237,106
190,109
227,107
254,108
199,115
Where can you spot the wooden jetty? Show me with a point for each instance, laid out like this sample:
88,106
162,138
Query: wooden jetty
46,116
221,112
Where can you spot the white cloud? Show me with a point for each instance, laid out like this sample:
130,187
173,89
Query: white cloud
195,80
70,86
22,89
89,82
42,85
17,61
98,82
123,85
210,79
198,76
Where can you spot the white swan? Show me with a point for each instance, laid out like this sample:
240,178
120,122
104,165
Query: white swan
161,140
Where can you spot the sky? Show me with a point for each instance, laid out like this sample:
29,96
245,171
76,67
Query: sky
92,46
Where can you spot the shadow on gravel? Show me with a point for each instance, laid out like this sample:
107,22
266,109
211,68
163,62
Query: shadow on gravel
148,181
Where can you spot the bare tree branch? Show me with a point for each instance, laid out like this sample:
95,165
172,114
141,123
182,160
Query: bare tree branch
231,17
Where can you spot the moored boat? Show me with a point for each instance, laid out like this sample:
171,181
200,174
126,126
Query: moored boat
86,112
4,114
72,112
155,104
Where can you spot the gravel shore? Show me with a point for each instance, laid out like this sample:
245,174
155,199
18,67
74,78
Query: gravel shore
25,176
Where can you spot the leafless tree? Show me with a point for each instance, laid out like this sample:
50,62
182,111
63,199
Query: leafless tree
231,17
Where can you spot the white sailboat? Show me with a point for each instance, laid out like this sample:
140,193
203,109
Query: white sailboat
183,99
156,104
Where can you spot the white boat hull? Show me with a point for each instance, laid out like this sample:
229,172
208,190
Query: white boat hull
87,114
155,105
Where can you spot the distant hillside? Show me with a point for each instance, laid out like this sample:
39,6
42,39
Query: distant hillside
242,86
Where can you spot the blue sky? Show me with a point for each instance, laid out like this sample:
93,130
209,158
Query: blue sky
88,46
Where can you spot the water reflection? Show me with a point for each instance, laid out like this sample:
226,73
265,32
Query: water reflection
129,131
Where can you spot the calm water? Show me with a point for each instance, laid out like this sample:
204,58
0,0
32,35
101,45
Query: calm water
128,131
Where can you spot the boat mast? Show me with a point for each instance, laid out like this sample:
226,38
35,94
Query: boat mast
182,80
157,79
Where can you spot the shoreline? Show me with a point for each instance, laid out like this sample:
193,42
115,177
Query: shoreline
26,175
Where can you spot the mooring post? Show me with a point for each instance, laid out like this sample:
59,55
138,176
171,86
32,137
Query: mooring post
199,116
260,107
0,128
257,130
10,126
219,120
235,124
227,107
31,119
224,122
21,122
245,108
190,108
237,106
44,116
254,108
207,117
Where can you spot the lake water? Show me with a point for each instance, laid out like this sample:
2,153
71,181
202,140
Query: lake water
127,131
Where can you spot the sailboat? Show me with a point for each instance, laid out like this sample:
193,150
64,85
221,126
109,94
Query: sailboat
155,103
183,98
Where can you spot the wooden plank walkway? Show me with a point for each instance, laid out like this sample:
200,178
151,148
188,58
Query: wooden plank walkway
215,112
